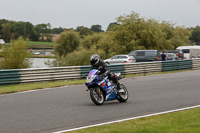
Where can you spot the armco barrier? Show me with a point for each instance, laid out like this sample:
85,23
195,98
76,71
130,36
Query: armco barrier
196,64
39,74
10,76
176,65
116,68
142,68
50,74
14,76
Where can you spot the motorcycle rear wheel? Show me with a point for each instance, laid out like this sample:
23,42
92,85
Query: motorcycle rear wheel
97,97
123,96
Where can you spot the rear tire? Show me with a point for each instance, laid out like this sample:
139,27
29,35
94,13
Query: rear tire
96,98
123,96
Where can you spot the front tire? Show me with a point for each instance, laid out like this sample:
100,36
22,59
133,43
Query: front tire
122,94
97,97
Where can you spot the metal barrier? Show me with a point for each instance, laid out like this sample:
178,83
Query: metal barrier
196,64
142,68
116,68
176,65
10,76
50,74
14,76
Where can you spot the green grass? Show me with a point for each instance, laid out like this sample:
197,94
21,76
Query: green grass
34,86
41,43
33,44
180,122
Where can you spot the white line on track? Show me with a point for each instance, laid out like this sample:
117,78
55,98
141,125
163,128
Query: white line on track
29,91
100,124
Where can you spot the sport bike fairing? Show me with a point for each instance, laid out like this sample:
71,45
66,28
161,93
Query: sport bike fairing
92,72
108,86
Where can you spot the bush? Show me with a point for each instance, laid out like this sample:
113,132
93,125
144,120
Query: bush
15,56
66,43
77,58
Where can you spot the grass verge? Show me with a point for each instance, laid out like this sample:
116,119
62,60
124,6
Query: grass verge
35,44
180,122
43,85
35,86
41,43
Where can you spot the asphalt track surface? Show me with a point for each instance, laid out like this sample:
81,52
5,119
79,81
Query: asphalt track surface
56,109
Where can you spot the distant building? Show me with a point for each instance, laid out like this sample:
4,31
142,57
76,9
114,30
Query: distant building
54,37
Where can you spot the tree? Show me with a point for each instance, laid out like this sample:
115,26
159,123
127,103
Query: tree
96,28
58,30
79,28
6,34
43,31
135,32
2,21
85,32
24,29
66,43
15,57
112,25
195,35
79,57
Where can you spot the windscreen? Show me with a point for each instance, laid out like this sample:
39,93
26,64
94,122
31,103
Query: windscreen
92,72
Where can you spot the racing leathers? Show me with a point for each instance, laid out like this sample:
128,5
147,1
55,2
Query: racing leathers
104,71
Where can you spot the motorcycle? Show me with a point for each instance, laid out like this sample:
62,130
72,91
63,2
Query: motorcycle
102,89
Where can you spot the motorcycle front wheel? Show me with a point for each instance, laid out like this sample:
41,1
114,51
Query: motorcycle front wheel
122,94
97,96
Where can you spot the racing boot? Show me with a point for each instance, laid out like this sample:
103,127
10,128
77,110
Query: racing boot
117,86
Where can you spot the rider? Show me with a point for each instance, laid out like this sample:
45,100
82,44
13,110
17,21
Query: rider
104,70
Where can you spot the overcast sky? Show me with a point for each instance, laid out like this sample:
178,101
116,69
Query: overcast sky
73,13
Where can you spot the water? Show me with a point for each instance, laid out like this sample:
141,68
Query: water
39,62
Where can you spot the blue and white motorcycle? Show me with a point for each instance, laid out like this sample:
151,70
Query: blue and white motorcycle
101,89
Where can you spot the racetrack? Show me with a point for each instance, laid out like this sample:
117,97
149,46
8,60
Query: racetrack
62,108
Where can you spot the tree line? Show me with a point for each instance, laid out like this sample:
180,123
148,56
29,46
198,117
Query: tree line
43,32
129,32
10,30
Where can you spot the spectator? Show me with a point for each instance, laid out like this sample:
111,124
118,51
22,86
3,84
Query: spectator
163,56
177,56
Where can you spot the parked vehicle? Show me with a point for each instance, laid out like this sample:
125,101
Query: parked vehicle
194,53
180,54
101,89
120,59
171,56
36,53
145,55
186,51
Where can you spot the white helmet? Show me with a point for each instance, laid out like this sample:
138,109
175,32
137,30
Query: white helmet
94,59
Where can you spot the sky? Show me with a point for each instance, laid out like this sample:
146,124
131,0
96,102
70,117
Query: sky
74,13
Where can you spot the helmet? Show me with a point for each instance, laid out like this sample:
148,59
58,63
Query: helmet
94,59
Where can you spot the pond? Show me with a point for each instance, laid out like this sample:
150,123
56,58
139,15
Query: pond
40,62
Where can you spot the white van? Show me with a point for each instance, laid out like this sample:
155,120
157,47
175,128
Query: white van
2,41
186,50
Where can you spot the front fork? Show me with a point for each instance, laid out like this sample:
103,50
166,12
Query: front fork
98,91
